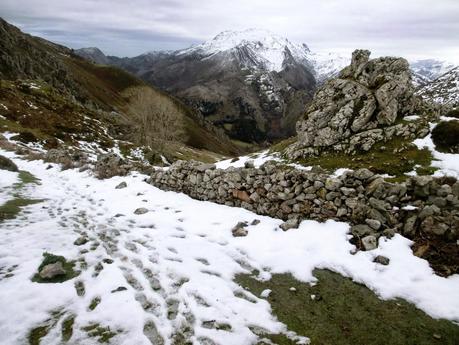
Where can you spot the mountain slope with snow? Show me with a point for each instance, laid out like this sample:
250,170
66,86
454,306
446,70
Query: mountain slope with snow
264,49
443,90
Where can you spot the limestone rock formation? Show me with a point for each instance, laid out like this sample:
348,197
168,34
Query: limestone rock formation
359,108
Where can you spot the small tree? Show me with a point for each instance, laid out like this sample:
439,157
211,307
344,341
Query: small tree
159,119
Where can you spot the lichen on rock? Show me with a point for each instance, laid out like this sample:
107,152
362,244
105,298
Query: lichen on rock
359,108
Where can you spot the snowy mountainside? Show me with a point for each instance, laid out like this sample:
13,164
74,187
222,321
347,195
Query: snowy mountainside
443,90
431,69
264,49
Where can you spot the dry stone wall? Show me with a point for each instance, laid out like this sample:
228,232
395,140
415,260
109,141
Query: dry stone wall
373,206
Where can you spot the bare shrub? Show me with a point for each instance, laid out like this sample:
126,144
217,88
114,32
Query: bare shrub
158,118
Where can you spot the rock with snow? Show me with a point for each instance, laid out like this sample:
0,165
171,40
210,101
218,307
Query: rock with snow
141,210
240,230
292,223
121,185
80,241
381,259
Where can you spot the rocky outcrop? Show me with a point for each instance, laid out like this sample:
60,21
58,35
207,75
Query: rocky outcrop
374,207
360,108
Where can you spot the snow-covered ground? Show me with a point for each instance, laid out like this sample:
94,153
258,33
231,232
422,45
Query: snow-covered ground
8,179
447,163
177,263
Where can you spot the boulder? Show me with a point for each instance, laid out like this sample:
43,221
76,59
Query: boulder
52,270
352,111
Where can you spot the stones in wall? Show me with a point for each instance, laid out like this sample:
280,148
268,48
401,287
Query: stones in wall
372,205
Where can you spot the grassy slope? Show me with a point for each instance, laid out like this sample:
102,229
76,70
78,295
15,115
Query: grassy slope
344,312
67,74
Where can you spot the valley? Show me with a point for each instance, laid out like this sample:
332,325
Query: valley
244,190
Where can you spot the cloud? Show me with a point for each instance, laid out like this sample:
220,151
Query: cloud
410,28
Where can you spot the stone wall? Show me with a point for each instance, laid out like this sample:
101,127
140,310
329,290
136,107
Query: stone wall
374,207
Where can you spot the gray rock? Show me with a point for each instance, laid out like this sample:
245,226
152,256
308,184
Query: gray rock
255,222
428,211
363,174
204,167
121,185
80,241
239,230
292,223
361,230
52,270
352,111
389,233
141,210
380,259
408,228
369,242
373,223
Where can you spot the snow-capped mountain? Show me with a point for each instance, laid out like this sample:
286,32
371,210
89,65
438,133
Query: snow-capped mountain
327,65
256,48
444,89
253,83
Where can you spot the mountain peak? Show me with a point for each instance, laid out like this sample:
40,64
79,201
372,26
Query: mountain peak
267,48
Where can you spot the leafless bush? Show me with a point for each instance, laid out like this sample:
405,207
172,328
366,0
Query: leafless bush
159,119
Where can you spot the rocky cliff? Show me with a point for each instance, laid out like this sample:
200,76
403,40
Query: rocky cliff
364,105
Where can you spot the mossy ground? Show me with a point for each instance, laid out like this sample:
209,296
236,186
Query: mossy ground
11,208
51,259
344,312
100,333
396,158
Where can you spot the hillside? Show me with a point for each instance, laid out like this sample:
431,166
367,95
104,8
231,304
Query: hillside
55,78
443,90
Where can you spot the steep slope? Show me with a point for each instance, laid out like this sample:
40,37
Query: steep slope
56,78
444,89
252,83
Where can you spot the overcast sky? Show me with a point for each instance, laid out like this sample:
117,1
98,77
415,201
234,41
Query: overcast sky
409,28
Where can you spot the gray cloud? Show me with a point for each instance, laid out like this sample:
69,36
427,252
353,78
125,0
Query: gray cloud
410,28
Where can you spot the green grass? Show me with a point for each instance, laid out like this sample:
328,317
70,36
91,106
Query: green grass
11,208
395,158
347,313
36,334
102,334
67,328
